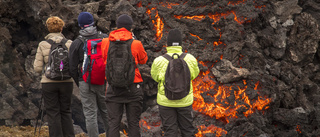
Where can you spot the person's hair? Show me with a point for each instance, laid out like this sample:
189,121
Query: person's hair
54,24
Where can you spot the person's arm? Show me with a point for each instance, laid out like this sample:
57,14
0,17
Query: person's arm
39,60
74,60
193,66
142,54
104,49
156,68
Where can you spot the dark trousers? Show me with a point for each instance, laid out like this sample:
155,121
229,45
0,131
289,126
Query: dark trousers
133,112
57,101
172,118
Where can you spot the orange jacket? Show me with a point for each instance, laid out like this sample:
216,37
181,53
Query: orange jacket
137,49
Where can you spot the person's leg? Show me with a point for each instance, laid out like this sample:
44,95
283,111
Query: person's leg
65,109
89,104
185,119
102,106
50,93
133,112
115,112
168,117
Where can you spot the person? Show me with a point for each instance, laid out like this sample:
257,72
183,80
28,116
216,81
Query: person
174,113
56,93
131,97
92,95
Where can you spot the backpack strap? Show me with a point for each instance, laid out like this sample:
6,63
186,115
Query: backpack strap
52,43
168,57
183,55
64,41
99,34
81,38
129,45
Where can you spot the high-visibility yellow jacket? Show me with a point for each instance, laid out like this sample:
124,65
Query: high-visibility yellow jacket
158,70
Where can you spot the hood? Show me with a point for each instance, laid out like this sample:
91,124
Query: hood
121,34
57,37
88,31
174,49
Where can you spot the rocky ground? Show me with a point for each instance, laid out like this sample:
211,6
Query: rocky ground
28,131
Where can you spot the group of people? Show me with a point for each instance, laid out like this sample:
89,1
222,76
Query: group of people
108,99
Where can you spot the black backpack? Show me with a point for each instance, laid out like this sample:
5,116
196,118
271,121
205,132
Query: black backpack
177,77
58,63
120,68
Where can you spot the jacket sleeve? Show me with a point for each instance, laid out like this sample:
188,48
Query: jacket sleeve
104,49
74,59
193,66
156,68
142,54
39,60
68,43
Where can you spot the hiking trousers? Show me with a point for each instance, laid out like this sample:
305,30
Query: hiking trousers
92,102
174,117
133,112
57,101
130,99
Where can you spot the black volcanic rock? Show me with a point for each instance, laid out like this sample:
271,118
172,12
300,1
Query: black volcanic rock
267,48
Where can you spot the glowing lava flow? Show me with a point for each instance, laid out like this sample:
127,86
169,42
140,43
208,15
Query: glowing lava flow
236,2
216,17
195,36
158,24
168,5
144,124
220,107
210,129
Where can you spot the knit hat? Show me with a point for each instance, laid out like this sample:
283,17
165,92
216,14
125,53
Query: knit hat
124,21
174,38
85,19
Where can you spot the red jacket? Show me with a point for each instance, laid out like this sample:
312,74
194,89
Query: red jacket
137,49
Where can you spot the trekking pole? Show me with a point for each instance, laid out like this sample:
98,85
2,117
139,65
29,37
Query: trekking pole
41,119
41,116
35,128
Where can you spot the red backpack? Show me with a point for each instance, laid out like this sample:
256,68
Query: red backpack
93,68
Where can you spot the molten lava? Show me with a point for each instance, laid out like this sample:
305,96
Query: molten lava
157,21
196,17
211,98
144,125
298,129
168,5
195,36
236,2
220,106
139,4
216,17
202,130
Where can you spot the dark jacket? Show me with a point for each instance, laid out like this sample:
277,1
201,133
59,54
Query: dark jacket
76,52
